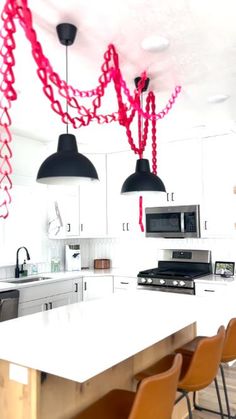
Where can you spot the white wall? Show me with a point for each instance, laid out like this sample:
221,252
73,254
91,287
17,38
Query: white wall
26,223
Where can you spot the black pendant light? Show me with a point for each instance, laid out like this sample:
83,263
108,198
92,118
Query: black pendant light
142,180
66,166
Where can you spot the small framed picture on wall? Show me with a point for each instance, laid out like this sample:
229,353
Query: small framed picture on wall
224,268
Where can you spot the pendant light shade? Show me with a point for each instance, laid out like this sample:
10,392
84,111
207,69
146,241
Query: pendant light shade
142,180
66,166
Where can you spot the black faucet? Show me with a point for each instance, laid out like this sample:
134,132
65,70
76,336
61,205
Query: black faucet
19,271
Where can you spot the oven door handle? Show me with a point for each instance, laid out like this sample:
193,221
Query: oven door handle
182,222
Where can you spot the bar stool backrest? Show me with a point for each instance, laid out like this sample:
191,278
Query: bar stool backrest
229,349
205,362
155,396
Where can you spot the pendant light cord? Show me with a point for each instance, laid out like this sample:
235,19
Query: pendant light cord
140,124
67,84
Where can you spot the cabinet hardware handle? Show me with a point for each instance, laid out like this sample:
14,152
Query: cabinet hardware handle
68,227
182,222
172,196
209,290
167,196
124,283
123,226
127,226
81,227
205,225
76,287
85,286
50,306
46,306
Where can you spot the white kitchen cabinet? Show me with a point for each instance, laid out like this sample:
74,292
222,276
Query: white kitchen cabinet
222,295
48,296
80,211
92,203
179,167
31,307
122,210
63,212
125,283
44,304
218,207
97,287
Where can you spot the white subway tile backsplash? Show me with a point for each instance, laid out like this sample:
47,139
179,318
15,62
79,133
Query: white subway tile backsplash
129,252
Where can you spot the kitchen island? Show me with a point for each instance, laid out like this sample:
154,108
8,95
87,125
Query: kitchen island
86,349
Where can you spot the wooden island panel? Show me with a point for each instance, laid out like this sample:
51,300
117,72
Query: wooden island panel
59,398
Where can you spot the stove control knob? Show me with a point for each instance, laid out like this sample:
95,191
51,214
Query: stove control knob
162,281
182,283
149,281
175,283
143,280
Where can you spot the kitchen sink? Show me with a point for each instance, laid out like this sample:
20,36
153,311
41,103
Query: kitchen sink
25,280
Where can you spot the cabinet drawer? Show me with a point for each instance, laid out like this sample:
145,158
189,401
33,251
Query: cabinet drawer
46,290
211,289
126,283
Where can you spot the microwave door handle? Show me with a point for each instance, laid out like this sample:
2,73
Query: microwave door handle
182,222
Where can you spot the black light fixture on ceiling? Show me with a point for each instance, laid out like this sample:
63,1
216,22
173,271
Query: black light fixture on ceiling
142,180
67,165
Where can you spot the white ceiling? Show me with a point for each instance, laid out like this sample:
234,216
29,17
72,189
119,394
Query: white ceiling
201,57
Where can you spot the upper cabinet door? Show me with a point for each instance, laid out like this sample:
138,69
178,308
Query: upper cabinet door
63,211
79,211
122,210
218,177
179,167
93,219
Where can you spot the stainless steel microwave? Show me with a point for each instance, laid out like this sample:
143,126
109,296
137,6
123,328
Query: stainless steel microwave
173,222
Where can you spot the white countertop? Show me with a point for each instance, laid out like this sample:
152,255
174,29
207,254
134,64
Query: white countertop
84,339
209,279
6,285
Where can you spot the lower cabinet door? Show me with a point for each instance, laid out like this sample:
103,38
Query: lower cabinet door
60,300
97,287
31,307
44,304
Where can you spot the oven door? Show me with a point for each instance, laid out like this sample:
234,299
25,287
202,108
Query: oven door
175,290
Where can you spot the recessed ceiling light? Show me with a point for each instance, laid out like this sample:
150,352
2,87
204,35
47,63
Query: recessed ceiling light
217,98
155,43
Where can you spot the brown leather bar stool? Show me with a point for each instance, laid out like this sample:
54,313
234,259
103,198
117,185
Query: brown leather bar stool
198,369
228,355
154,398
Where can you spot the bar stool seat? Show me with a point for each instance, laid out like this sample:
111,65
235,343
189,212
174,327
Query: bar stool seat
154,398
199,368
228,355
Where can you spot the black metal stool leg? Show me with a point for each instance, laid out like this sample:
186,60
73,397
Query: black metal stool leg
225,390
189,406
221,413
185,395
219,398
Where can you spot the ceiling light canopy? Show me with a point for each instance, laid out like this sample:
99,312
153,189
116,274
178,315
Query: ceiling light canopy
142,180
217,98
155,43
66,166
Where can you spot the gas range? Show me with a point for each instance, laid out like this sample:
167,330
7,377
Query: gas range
176,273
